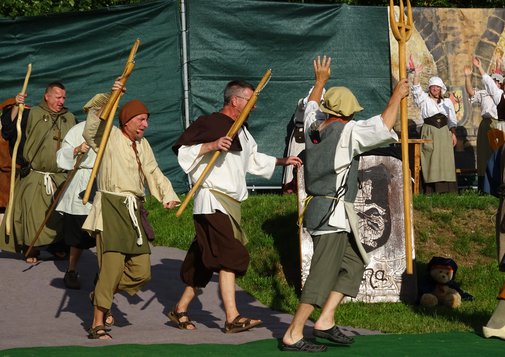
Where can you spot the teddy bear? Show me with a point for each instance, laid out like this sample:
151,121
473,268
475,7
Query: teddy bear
441,290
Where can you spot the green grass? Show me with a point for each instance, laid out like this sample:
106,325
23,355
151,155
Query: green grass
460,226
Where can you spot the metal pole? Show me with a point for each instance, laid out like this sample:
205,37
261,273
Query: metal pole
185,80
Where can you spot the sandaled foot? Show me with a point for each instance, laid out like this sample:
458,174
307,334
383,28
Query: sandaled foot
108,319
32,260
240,324
304,345
182,320
99,333
334,335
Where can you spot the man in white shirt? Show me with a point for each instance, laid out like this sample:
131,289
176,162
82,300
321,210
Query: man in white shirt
219,245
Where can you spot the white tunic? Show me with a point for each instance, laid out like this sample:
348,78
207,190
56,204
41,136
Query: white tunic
356,138
228,174
71,202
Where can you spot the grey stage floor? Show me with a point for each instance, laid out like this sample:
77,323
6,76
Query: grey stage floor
37,310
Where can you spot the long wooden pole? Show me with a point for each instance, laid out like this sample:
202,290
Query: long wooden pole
231,133
108,112
402,30
55,202
8,216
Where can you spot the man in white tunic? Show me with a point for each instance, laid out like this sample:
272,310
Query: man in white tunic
74,211
219,243
330,167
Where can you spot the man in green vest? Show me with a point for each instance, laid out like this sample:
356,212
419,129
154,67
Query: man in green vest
330,168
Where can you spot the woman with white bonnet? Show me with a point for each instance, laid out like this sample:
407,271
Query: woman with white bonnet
437,156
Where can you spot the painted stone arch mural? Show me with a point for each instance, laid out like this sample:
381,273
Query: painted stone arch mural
444,41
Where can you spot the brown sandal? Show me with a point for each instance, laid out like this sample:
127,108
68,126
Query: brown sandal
176,317
238,326
108,319
98,332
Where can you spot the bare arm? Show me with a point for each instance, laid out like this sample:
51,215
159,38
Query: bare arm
290,160
322,73
390,112
468,81
476,62
20,99
223,144
417,74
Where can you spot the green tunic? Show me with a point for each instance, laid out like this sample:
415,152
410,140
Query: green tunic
44,132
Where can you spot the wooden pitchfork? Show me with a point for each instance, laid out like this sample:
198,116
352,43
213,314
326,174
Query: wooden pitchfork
402,30
10,205
231,133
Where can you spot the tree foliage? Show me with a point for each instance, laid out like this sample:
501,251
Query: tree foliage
14,8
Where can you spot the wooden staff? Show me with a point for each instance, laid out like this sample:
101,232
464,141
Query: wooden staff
231,133
108,112
55,202
402,30
8,217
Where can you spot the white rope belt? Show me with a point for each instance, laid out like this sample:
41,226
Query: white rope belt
49,184
131,203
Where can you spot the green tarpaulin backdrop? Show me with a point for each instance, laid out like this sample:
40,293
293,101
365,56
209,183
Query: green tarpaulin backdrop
228,39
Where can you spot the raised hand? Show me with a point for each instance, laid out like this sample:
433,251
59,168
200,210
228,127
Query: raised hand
322,69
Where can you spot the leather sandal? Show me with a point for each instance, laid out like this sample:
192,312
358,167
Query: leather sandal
108,319
240,324
176,317
98,332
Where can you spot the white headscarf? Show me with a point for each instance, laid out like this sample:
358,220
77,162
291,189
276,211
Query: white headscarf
437,81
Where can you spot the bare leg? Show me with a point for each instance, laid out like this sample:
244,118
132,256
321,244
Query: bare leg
295,330
327,318
227,287
188,295
98,319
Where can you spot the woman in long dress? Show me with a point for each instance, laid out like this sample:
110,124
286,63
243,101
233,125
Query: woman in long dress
437,156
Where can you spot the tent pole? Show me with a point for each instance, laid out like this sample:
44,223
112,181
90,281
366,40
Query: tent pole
185,81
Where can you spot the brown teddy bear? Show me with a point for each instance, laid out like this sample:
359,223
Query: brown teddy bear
442,289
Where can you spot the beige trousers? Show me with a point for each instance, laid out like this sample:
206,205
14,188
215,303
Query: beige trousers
118,271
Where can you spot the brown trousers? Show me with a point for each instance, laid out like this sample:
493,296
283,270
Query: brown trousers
215,248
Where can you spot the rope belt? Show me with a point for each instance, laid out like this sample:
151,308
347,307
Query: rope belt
306,203
132,206
131,203
49,183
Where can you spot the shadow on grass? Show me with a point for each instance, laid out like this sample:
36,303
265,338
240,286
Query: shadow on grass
284,232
